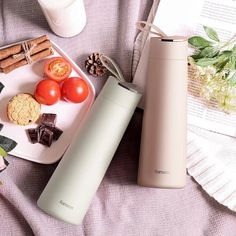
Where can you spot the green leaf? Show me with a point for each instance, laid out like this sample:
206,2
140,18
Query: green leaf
211,33
234,50
204,62
226,53
195,57
221,65
234,63
232,79
199,42
3,153
208,52
231,63
7,144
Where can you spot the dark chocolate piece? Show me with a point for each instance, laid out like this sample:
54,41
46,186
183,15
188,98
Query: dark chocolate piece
46,137
48,119
56,132
7,144
40,129
1,87
33,135
46,132
1,126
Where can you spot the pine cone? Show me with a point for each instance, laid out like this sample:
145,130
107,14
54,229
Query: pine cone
94,65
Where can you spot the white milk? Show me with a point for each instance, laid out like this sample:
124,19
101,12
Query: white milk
66,18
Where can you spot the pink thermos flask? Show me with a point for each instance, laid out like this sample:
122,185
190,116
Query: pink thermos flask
163,144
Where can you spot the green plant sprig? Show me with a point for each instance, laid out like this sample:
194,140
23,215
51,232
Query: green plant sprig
211,51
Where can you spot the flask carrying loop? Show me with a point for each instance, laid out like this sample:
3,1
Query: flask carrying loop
109,63
142,25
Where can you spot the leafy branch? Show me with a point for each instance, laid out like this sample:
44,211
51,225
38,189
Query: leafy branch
211,51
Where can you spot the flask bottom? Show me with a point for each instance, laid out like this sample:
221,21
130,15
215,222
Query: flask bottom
57,214
158,184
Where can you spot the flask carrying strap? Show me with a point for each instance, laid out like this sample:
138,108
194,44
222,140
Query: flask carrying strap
150,28
109,63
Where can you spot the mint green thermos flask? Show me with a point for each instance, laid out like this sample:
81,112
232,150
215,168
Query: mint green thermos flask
75,181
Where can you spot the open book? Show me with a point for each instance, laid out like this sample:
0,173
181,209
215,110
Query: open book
186,17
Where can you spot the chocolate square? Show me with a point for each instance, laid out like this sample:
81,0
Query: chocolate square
33,135
48,119
56,132
46,137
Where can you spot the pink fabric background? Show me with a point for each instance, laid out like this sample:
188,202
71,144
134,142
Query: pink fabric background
120,207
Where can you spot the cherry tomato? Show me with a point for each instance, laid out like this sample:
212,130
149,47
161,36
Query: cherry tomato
57,68
47,92
74,89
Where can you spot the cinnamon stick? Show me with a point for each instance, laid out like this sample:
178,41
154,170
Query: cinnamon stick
11,60
37,40
6,52
35,57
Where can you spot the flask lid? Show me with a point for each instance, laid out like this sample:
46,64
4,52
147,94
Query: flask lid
174,38
130,86
168,48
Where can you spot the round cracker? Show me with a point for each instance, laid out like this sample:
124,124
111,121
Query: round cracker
23,109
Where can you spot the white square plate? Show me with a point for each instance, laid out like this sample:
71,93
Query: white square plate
69,115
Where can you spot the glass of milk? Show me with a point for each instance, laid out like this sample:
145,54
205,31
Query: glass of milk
66,18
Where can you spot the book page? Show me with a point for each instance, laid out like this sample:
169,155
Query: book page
186,17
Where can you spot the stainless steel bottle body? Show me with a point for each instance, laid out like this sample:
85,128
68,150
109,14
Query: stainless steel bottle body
163,143
71,188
